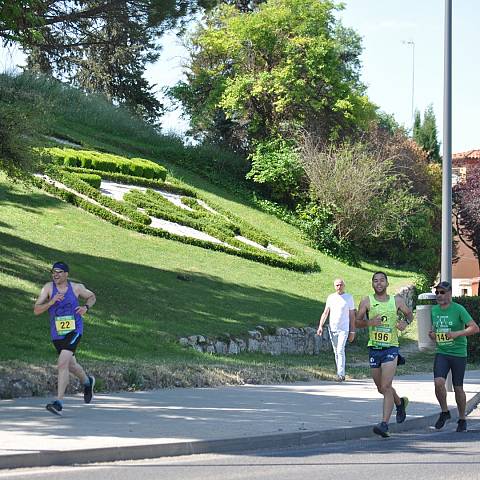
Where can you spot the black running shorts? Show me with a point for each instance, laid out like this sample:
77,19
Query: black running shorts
69,342
444,363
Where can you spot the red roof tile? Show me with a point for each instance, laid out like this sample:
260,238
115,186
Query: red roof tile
471,154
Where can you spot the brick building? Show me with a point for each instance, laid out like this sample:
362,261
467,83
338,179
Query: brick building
465,272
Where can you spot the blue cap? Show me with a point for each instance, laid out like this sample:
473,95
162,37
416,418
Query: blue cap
445,285
61,266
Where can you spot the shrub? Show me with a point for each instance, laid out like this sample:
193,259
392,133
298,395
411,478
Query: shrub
136,170
92,179
472,304
106,162
276,165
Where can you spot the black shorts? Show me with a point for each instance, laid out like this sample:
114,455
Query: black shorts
444,363
69,342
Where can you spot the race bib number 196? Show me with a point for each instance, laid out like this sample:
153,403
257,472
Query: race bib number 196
65,324
381,336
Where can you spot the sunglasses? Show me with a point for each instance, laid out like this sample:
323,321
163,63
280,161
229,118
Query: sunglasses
440,292
57,271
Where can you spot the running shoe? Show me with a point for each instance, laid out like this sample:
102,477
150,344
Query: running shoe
88,390
462,425
442,419
402,410
55,408
381,429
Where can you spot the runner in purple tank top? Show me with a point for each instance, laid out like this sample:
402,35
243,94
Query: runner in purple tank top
60,298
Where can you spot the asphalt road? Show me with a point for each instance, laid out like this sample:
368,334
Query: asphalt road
421,455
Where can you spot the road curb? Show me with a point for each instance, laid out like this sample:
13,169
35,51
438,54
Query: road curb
228,445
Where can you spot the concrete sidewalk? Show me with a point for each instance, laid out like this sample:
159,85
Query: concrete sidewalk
206,420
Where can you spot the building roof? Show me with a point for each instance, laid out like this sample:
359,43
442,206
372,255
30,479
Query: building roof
471,154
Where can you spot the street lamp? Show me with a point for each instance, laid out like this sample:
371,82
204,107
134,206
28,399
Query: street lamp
412,43
446,264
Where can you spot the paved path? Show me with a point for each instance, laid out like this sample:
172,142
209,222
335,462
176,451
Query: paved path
182,421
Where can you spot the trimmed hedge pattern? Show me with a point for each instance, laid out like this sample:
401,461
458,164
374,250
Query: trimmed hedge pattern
92,179
171,186
106,162
74,182
295,264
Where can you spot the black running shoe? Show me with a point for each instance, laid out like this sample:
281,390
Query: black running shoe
381,429
88,390
462,425
442,419
402,410
55,408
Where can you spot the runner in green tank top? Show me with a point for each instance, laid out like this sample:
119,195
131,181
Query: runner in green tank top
378,312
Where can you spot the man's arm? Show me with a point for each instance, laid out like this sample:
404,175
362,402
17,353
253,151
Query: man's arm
44,302
351,333
82,292
360,320
471,329
323,319
402,306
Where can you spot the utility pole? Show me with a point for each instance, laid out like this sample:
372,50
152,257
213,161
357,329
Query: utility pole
412,43
446,264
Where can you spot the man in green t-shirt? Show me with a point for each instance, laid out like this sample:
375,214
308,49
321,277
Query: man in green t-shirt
451,325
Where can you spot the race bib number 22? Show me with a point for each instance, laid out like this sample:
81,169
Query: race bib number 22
65,324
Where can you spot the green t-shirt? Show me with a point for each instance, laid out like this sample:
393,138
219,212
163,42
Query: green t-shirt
450,319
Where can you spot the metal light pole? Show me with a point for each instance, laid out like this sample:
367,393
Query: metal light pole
412,43
446,264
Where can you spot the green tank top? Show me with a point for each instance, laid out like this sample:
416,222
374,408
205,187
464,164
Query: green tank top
384,335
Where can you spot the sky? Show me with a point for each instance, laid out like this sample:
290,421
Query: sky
389,63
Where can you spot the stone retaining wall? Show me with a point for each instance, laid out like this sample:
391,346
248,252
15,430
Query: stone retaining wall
294,341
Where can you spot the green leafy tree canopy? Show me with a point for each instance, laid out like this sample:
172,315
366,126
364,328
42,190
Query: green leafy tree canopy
288,64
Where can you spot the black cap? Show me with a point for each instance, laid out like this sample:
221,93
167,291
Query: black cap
444,285
61,266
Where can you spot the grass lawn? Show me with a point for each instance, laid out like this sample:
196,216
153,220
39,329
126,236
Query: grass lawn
143,305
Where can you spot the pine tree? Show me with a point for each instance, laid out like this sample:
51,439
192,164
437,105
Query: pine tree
425,134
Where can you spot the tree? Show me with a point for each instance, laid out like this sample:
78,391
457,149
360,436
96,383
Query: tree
99,45
374,195
425,134
466,211
113,67
289,64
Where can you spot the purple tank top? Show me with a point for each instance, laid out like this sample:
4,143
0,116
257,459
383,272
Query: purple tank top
63,318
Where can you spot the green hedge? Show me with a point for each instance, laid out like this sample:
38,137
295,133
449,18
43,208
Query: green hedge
176,187
258,256
92,179
73,181
472,304
158,206
106,162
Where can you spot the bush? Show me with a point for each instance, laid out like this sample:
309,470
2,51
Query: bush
275,164
472,304
91,179
105,162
